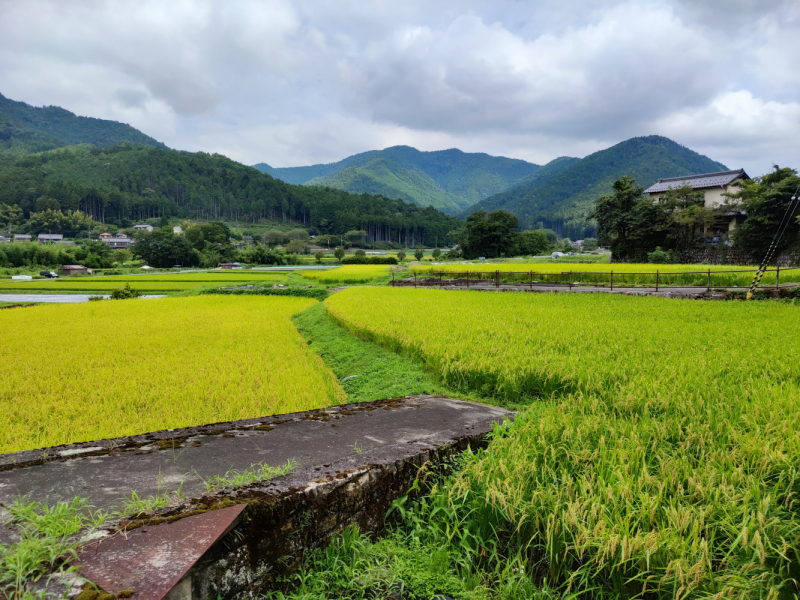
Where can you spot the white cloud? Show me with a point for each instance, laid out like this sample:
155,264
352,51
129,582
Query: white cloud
301,82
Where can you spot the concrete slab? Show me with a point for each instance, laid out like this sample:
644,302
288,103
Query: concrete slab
352,462
58,298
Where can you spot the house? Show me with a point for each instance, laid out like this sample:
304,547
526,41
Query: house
713,186
50,238
3,239
118,242
143,227
177,230
22,237
74,270
233,265
105,236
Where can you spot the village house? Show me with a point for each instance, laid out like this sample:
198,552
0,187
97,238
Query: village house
22,237
713,186
74,270
50,238
143,227
118,242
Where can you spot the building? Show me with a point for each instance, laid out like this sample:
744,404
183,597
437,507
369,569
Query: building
22,237
3,239
143,227
177,230
50,238
105,236
713,186
233,265
74,270
118,242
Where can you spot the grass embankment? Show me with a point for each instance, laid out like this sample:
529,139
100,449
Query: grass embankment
372,372
624,274
659,456
126,367
350,274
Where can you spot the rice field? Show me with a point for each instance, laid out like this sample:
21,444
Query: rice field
624,274
79,372
658,453
142,283
347,274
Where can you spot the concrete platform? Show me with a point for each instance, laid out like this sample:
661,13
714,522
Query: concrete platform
352,462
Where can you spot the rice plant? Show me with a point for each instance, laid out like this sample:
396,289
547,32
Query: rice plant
90,371
348,274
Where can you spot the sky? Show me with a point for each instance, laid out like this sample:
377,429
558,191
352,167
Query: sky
305,82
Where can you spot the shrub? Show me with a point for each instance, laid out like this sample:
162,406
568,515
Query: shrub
369,260
124,293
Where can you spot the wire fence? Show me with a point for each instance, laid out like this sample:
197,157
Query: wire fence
739,278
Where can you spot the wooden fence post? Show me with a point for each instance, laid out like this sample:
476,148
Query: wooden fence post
777,276
612,281
415,279
497,279
656,279
708,288
570,279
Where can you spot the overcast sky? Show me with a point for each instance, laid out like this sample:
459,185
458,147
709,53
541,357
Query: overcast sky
295,83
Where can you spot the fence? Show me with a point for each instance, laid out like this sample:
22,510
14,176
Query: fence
739,278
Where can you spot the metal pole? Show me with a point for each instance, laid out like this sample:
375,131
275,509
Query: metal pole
570,279
415,279
531,275
612,281
467,279
497,279
777,276
656,279
708,289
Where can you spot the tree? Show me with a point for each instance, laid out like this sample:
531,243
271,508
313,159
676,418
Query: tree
296,247
766,201
436,253
401,256
589,244
615,215
10,216
298,234
44,203
533,242
491,234
355,236
319,256
273,237
419,254
360,253
162,248
339,253
54,221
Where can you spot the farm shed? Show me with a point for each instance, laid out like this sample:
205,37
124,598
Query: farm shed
74,270
143,227
233,265
22,237
50,238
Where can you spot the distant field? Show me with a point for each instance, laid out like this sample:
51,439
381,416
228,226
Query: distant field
624,274
658,447
144,283
126,367
347,274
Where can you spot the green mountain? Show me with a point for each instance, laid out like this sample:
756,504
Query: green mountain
25,128
450,180
128,182
561,200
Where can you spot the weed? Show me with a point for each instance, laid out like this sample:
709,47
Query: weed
253,474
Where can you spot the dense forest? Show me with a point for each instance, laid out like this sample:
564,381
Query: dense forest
129,182
562,198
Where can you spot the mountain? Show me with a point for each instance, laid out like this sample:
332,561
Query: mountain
561,200
128,182
25,129
450,180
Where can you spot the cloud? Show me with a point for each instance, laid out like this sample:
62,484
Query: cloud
302,82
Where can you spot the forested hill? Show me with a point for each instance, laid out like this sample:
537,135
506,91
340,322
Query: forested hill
561,200
450,180
25,128
128,182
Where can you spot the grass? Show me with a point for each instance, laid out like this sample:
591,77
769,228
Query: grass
349,274
253,474
658,456
624,274
372,372
121,368
48,536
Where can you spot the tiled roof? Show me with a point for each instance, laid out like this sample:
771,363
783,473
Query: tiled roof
705,180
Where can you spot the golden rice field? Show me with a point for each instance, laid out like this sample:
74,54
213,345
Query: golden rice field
624,274
347,274
80,372
659,452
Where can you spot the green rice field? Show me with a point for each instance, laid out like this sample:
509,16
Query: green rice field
656,454
348,274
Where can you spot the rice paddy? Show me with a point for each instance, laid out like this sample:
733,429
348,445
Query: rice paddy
348,274
624,274
658,455
80,372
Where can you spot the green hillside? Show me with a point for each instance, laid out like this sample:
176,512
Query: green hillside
450,180
25,128
128,182
562,200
